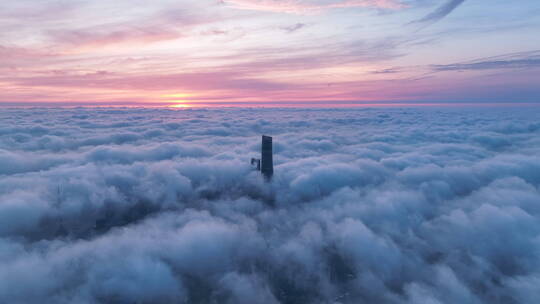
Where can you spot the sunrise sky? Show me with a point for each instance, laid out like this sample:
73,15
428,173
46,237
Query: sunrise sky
264,52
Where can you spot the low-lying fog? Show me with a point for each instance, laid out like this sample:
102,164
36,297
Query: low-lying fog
419,205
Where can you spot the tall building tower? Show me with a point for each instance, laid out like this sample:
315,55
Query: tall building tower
267,160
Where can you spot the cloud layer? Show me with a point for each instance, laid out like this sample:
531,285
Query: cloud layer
367,206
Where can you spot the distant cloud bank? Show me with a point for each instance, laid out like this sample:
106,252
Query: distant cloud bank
367,206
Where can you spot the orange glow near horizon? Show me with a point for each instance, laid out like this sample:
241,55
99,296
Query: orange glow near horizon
181,106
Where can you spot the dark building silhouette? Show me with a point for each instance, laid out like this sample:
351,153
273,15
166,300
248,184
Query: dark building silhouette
267,160
256,163
266,163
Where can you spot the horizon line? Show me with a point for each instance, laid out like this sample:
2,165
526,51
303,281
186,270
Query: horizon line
257,104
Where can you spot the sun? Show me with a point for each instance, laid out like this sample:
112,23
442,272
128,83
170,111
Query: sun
180,105
178,100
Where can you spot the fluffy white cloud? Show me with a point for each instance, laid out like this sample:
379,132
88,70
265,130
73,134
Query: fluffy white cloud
366,206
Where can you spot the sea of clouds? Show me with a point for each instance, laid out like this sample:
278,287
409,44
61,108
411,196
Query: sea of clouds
418,205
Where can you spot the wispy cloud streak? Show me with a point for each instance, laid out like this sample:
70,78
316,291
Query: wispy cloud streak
441,12
299,7
511,61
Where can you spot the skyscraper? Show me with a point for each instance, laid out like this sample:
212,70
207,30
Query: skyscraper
267,161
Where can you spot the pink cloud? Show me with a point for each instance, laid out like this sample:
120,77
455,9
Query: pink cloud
303,6
15,57
199,87
87,39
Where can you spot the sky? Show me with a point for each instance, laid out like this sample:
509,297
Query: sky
269,52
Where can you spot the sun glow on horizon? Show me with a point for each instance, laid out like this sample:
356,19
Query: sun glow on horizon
178,95
180,104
